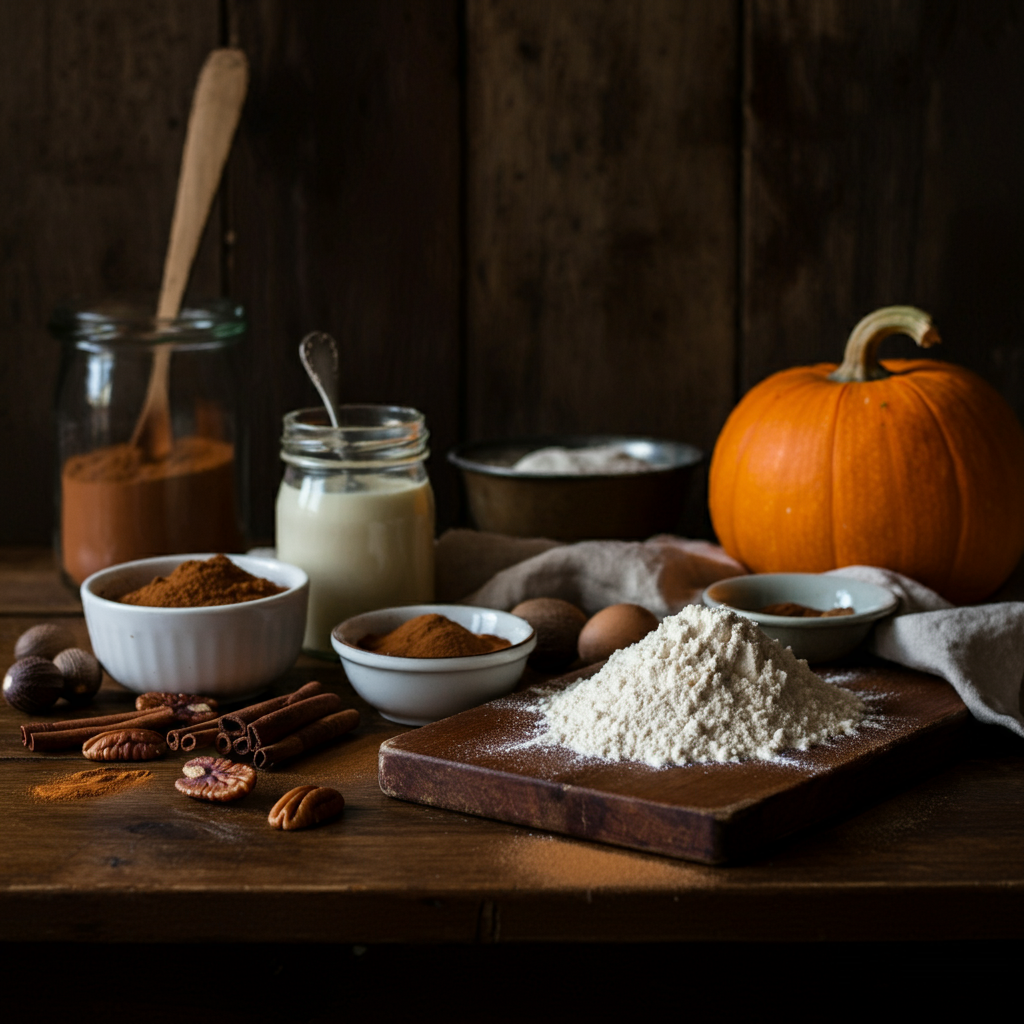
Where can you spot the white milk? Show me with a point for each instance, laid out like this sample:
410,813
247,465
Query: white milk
365,548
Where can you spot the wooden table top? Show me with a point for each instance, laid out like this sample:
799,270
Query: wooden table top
941,859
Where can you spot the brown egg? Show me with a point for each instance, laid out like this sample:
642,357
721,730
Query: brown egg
612,628
557,624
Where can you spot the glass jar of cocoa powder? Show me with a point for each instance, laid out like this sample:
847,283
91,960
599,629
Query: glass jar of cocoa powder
355,510
170,482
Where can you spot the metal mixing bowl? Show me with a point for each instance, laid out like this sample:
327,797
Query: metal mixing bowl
619,506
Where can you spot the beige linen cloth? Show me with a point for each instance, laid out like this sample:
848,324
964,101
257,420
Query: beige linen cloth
493,571
979,649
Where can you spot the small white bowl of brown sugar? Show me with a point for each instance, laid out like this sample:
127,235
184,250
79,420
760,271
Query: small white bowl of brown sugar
419,663
221,625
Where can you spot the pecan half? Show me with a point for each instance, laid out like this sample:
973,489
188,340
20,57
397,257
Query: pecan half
215,778
189,708
125,745
306,806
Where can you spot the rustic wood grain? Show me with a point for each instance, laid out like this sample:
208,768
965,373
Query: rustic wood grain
345,214
940,859
93,104
29,584
601,162
601,178
879,160
880,168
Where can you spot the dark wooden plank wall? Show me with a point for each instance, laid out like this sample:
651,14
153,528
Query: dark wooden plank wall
883,164
517,215
93,105
601,217
344,193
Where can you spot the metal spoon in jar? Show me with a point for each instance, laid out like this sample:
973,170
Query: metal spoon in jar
319,355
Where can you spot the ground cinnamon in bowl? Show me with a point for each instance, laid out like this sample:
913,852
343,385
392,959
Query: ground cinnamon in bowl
802,611
432,636
196,584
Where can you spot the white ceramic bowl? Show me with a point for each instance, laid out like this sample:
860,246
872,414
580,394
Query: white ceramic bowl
230,650
814,639
415,691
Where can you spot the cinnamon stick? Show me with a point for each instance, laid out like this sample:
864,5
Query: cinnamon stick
176,736
198,738
314,735
223,743
240,745
237,722
80,723
65,739
278,724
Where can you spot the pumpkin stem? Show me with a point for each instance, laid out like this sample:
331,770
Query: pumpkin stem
860,361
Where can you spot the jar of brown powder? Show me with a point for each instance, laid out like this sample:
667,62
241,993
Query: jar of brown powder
116,501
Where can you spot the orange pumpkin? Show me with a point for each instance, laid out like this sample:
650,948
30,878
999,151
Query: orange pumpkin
916,466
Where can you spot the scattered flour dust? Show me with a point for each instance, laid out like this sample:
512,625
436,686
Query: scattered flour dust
706,685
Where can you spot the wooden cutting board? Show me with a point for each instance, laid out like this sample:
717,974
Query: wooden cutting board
481,762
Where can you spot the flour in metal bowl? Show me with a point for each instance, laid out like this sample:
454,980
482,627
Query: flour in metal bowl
602,460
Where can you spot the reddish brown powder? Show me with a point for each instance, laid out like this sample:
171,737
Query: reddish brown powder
94,782
116,506
432,636
196,584
801,611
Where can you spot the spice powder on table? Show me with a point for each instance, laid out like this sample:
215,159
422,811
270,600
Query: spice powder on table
91,783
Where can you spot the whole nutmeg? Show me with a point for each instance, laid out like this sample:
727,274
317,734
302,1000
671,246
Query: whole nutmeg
32,685
557,624
44,641
82,675
612,628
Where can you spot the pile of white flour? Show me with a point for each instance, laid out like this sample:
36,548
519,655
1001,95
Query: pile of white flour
706,685
598,459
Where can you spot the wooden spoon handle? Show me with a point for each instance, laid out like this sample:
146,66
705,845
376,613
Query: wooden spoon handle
216,108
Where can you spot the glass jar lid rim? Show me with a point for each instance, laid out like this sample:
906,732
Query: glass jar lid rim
134,322
392,417
381,435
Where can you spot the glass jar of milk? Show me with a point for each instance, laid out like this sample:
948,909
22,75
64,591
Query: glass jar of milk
356,511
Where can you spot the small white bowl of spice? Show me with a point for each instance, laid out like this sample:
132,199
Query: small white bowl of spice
419,663
819,616
212,624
